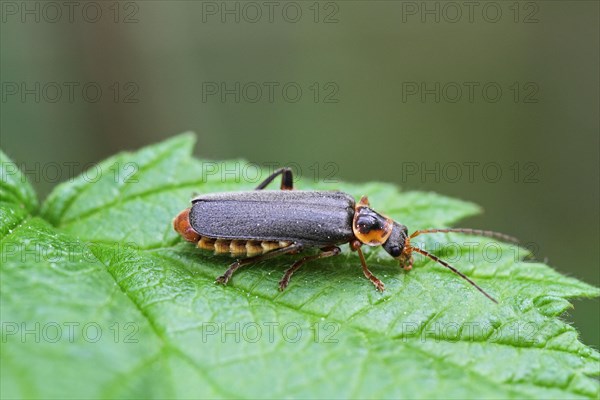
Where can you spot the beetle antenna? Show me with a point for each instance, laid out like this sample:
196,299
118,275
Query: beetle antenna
450,267
479,232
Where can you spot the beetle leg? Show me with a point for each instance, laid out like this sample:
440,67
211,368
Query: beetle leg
223,279
287,179
406,260
326,252
378,284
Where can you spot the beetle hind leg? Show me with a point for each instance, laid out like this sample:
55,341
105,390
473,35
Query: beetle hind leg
287,179
326,252
223,279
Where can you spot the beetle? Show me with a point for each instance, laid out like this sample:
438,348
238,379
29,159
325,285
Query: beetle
262,224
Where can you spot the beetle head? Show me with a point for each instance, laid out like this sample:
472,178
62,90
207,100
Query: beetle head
396,241
374,229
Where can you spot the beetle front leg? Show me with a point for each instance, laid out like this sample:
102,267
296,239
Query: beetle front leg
368,274
326,252
355,245
406,261
287,179
223,279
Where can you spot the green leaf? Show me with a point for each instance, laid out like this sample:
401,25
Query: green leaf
17,198
105,256
65,321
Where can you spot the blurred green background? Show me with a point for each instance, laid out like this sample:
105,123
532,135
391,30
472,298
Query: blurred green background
406,92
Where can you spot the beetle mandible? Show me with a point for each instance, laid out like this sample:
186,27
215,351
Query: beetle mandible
263,224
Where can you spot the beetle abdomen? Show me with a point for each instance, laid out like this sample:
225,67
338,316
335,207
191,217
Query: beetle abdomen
240,248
